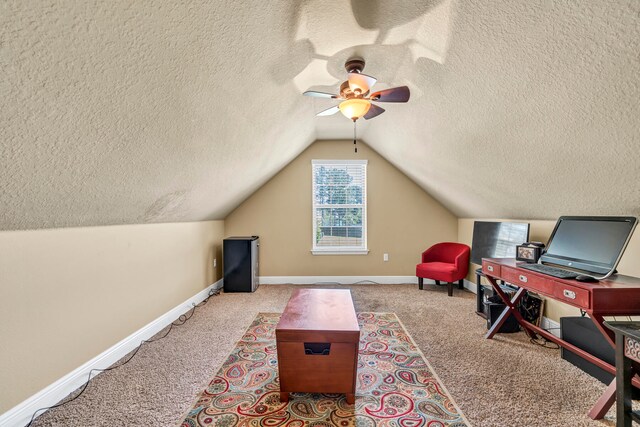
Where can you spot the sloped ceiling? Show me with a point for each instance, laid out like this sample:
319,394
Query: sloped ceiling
131,112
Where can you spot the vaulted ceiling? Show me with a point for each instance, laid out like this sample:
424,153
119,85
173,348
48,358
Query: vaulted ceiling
131,112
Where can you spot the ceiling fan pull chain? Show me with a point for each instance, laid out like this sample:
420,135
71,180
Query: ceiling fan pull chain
354,135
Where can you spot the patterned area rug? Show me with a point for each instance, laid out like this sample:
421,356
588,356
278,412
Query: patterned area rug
395,385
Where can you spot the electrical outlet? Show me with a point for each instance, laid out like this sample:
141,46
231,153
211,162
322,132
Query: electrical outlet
215,263
385,257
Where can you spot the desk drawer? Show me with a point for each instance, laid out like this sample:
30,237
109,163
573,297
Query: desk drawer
572,295
491,268
529,281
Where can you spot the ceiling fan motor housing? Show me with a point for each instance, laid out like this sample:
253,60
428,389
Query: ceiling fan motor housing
346,92
354,65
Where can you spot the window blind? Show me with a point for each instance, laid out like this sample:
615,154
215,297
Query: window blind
339,205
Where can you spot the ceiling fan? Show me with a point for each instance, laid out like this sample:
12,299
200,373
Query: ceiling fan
356,97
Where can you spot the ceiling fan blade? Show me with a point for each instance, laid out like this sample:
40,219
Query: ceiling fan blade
395,94
361,82
374,111
328,111
316,94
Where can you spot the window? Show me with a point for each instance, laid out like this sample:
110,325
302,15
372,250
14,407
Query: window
339,207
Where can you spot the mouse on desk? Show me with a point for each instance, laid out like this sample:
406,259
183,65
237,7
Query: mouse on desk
585,278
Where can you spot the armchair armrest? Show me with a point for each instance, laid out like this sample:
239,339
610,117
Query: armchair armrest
426,255
462,260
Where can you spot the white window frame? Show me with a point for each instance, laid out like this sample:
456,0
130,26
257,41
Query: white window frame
339,250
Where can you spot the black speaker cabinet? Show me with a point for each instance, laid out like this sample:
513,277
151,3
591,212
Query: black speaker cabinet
583,333
240,259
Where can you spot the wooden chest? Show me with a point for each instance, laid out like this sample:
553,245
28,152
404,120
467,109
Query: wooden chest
317,341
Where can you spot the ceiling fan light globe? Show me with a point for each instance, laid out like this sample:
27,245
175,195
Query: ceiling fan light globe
354,108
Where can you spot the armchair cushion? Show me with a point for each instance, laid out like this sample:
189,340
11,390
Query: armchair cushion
447,261
436,271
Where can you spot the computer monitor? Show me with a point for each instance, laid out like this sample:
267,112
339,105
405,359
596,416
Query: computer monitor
497,239
593,244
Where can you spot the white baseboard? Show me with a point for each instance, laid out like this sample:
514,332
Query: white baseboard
471,286
550,325
20,415
350,280
332,280
216,287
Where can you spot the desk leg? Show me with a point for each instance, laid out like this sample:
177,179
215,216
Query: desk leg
284,397
606,332
510,309
608,398
604,402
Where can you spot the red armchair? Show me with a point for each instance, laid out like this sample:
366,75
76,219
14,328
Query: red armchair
447,262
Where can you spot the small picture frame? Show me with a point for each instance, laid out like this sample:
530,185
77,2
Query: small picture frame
528,253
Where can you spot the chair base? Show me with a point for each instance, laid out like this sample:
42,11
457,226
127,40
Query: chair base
449,285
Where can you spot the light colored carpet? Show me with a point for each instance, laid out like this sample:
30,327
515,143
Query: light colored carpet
506,381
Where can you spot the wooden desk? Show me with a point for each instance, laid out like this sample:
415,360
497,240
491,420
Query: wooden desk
616,296
317,342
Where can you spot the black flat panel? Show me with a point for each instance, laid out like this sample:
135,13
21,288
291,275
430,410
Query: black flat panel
497,239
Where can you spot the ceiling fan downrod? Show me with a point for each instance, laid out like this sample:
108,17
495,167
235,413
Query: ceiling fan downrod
354,136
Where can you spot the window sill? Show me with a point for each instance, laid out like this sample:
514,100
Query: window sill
340,251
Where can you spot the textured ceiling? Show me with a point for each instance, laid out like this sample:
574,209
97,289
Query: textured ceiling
131,112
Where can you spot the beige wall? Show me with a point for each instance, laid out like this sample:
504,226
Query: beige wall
540,231
403,220
66,295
